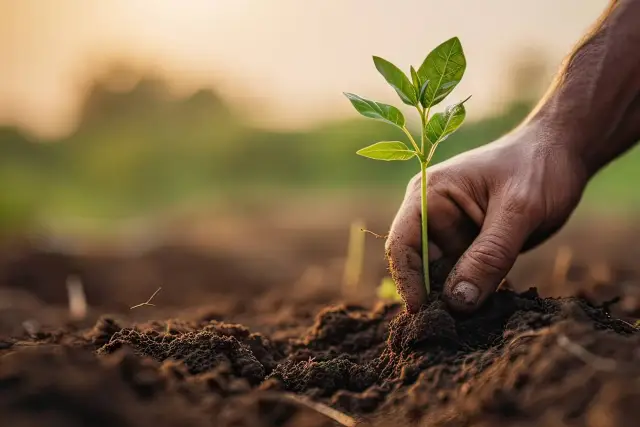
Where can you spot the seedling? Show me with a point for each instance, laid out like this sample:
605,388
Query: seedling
430,84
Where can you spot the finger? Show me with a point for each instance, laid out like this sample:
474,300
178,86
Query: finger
452,232
489,258
454,215
450,228
403,250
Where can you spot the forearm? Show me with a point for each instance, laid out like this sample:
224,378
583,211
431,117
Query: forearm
592,107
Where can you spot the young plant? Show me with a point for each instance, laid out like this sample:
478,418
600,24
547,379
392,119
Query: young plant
430,84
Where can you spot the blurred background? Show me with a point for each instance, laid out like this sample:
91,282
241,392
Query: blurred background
206,145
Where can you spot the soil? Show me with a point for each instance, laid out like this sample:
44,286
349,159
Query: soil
522,360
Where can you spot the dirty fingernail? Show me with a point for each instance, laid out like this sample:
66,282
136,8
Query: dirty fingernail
466,293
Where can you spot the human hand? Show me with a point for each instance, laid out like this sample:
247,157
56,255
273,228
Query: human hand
485,206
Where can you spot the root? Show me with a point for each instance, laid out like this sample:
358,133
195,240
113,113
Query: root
376,235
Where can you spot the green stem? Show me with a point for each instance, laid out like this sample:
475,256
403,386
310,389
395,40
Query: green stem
422,130
413,142
425,237
426,116
432,151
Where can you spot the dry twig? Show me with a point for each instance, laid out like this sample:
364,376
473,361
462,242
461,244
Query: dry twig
148,302
334,414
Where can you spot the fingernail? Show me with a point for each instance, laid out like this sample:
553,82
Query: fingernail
467,293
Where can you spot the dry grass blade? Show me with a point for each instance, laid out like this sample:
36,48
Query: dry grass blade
354,259
527,335
335,415
148,302
595,361
562,265
77,298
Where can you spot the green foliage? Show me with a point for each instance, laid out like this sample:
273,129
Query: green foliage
441,125
444,67
438,75
423,92
377,110
414,78
387,150
397,79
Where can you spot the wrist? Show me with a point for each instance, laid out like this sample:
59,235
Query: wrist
551,140
574,140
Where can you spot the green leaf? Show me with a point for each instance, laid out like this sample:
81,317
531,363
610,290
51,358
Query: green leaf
387,150
397,79
444,68
441,125
377,110
415,79
423,91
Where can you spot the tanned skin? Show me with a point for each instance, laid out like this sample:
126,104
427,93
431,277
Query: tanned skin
488,205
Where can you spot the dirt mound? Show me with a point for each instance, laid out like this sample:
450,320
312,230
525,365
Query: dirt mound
521,360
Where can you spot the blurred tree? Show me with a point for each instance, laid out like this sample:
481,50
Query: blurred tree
528,75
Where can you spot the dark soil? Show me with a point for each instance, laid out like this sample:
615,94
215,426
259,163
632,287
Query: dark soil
514,363
522,360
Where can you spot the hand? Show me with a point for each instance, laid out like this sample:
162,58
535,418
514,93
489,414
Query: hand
485,206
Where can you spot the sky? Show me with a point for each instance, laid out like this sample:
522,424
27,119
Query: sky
286,62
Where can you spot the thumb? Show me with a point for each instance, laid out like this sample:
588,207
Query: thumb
482,267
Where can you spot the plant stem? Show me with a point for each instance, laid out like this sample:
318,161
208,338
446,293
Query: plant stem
432,151
425,237
422,130
413,142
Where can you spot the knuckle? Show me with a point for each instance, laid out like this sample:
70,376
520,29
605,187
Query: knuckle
519,203
414,185
437,177
523,207
490,254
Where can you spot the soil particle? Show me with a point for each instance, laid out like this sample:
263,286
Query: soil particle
102,331
430,327
322,379
200,351
59,387
349,329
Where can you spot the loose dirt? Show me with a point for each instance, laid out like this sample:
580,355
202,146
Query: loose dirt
522,360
